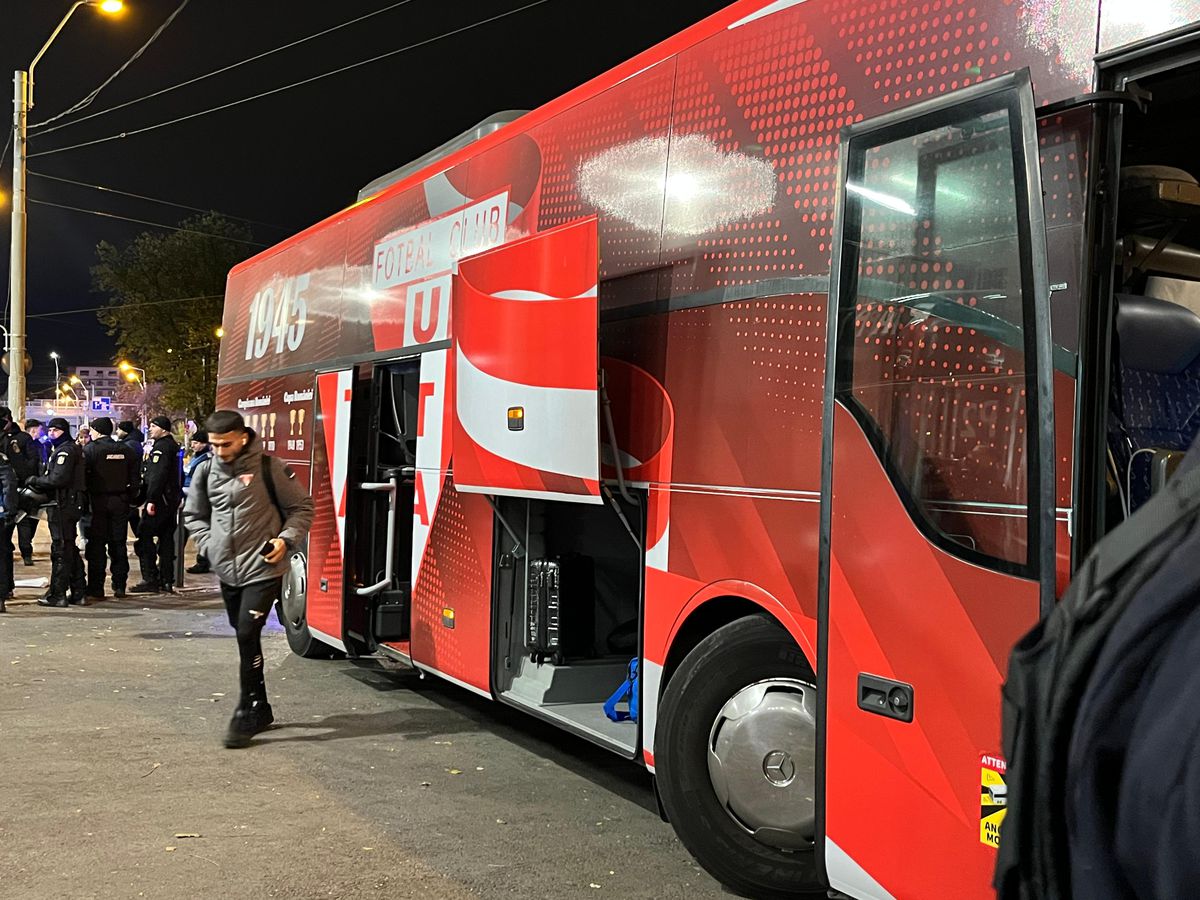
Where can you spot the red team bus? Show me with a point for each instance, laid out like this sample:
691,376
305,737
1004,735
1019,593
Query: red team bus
795,360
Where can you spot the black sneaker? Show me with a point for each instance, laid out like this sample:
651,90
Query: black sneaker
146,587
53,600
198,569
246,723
28,560
119,592
77,600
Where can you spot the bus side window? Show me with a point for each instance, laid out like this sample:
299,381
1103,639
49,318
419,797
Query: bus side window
936,373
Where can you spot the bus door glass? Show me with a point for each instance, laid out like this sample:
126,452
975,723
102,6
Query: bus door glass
525,366
937,490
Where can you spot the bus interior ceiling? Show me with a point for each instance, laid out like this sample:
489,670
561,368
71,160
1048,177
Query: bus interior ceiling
1154,410
597,568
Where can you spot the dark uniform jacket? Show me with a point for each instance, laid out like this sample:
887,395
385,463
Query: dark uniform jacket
113,467
161,474
22,452
64,477
137,441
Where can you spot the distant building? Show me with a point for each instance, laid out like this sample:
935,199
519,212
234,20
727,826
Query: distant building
101,381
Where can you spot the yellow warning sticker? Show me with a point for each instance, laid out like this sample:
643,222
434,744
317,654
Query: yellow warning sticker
993,798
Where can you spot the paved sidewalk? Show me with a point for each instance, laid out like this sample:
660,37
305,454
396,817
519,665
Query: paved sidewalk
27,596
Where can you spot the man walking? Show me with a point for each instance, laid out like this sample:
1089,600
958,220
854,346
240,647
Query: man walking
64,482
201,452
155,545
114,475
37,452
247,513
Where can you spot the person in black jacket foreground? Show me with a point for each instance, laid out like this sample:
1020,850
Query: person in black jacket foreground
114,476
155,545
64,483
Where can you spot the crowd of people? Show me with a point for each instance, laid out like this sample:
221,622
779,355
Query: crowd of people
245,510
96,487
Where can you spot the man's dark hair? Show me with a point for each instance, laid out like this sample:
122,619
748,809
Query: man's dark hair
32,423
224,421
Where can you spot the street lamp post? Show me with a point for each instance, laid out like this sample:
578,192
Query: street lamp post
87,398
57,376
22,103
134,374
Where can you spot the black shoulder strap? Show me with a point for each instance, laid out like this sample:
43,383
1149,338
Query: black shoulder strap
1170,506
269,481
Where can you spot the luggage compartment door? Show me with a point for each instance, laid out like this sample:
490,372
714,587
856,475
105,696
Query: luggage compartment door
937,535
526,357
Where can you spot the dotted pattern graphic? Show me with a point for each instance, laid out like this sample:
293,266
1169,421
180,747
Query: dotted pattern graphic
452,575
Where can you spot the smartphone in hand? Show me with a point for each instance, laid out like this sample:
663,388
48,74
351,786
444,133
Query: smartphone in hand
267,549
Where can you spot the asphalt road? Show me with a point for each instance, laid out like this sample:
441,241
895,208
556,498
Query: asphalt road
373,783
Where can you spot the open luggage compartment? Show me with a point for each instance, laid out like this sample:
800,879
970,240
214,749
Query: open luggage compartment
568,594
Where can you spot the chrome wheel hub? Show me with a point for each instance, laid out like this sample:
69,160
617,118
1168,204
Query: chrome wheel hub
293,598
762,761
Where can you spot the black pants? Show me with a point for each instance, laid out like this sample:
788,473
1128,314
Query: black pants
108,531
6,558
25,530
135,521
66,568
155,546
248,607
201,559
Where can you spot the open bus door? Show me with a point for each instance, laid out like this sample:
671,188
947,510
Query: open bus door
937,491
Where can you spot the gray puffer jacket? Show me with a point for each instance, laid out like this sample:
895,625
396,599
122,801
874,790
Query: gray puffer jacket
230,514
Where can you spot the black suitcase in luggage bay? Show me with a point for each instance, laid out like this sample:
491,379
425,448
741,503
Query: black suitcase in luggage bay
561,614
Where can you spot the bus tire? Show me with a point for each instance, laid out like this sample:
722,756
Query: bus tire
739,822
292,610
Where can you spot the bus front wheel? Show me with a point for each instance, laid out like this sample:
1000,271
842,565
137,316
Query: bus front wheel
736,759
293,612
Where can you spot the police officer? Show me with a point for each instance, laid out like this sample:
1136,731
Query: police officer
114,476
40,453
128,433
8,518
22,456
155,545
64,482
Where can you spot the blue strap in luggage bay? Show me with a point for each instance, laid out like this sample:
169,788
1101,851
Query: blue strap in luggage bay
627,692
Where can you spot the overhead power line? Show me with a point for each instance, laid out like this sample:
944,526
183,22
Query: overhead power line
100,187
108,215
87,101
220,71
120,306
286,87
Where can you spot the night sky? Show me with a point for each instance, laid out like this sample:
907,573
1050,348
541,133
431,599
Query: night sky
285,160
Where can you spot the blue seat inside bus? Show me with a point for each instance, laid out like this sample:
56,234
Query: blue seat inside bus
1156,413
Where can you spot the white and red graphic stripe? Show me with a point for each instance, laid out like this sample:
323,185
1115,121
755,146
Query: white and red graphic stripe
525,320
433,450
337,391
